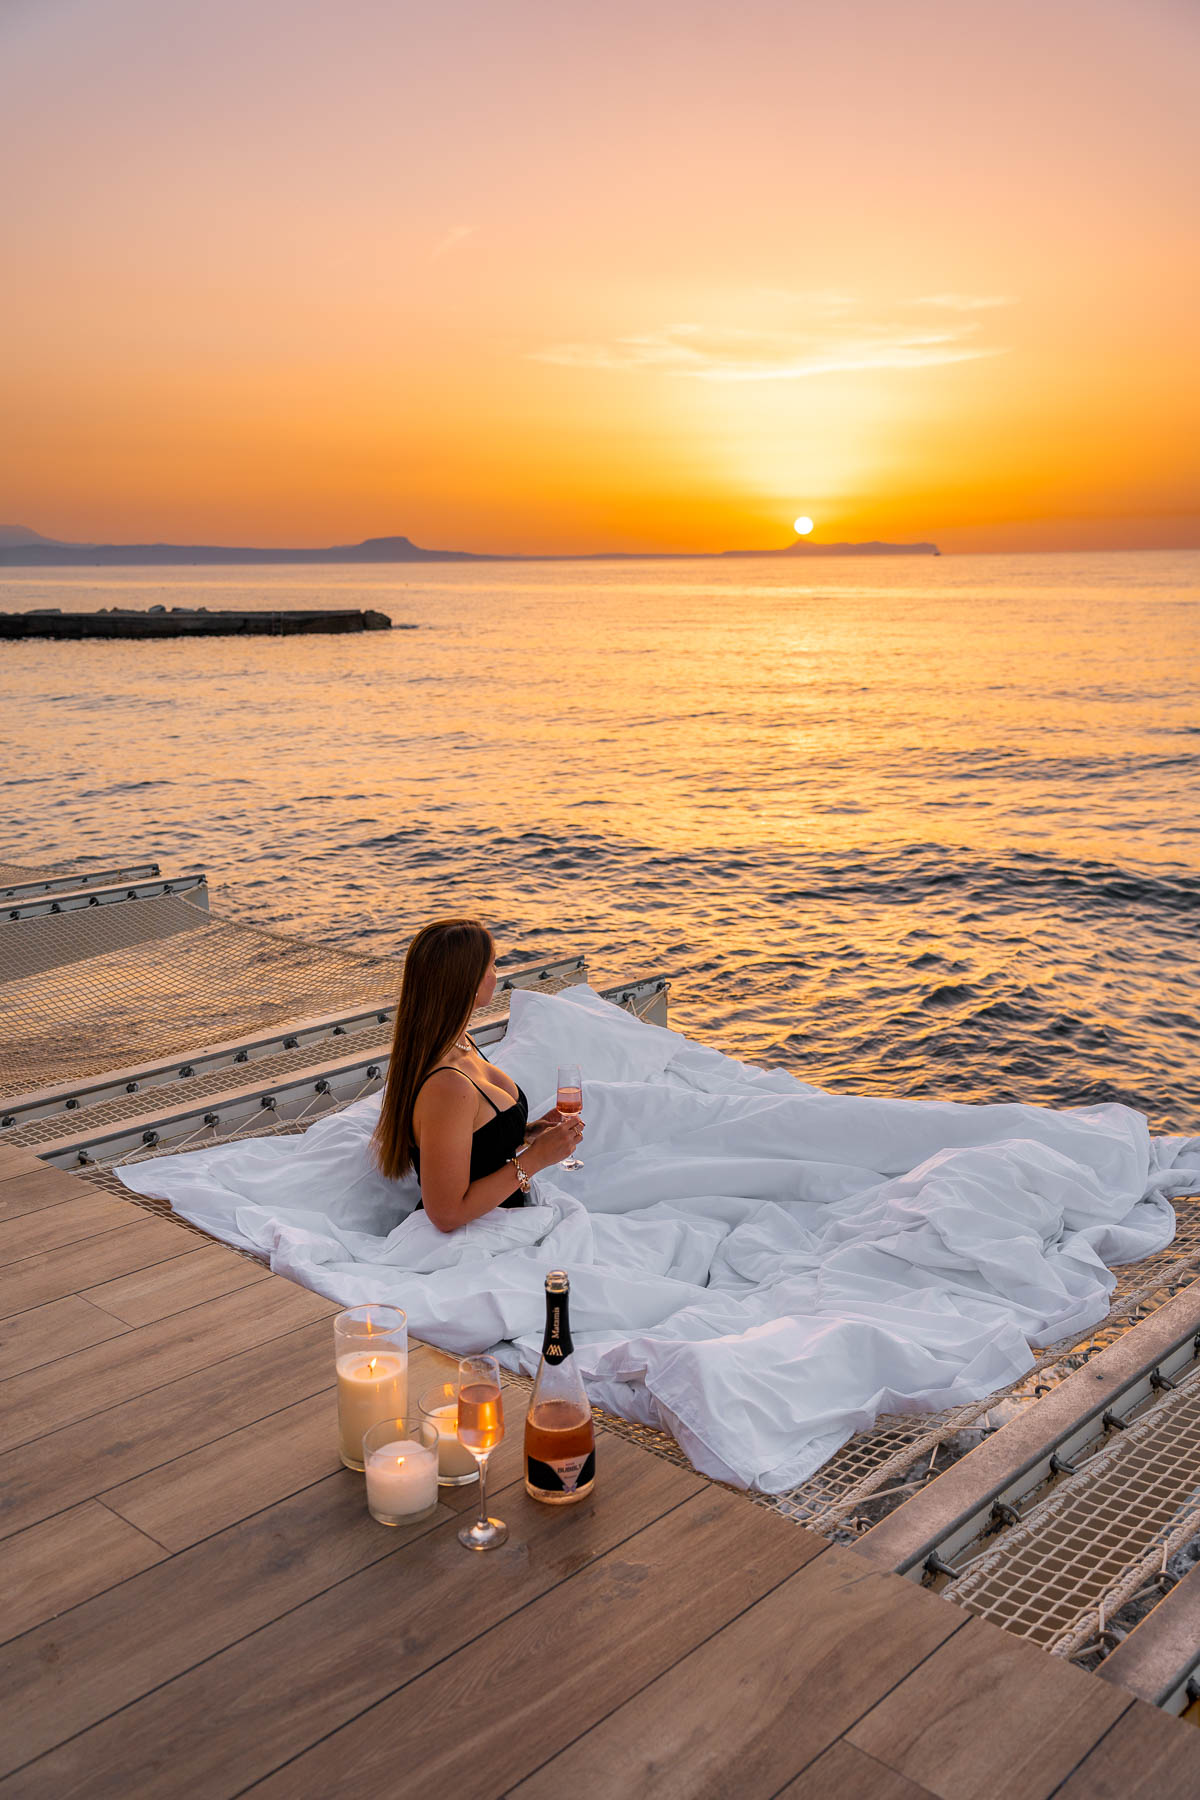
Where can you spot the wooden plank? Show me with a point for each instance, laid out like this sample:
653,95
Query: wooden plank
57,1471
774,1689
64,1676
45,1333
1148,1755
53,1273
66,1560
599,1638
242,1713
949,1726
154,1293
138,1361
1159,1656
39,1187
844,1773
210,1488
85,1214
16,1160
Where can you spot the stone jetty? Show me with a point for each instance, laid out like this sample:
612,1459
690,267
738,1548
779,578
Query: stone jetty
186,621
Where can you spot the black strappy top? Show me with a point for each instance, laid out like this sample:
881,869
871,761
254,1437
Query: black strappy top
494,1141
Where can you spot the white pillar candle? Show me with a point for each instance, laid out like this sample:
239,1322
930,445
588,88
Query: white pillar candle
401,1482
454,1459
369,1388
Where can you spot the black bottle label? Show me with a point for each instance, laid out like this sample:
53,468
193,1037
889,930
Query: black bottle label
557,1345
561,1477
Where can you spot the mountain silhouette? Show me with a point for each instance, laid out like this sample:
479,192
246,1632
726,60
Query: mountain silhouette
23,548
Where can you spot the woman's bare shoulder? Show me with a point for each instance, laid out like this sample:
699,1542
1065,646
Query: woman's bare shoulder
447,1090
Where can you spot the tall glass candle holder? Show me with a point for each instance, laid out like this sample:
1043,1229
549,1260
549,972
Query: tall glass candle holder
371,1356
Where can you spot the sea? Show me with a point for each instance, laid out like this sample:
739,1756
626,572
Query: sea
916,826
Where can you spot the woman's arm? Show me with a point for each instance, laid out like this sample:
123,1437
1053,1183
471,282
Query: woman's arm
447,1115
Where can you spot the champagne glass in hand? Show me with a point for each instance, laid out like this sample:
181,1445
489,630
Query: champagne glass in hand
570,1100
480,1429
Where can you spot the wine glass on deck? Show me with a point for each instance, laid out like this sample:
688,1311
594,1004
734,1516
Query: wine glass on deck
570,1100
480,1429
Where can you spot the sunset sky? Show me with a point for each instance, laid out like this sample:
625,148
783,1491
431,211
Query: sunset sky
654,274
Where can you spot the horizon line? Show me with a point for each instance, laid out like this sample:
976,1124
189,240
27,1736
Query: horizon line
40,550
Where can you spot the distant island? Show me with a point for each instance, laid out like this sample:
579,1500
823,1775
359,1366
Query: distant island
22,548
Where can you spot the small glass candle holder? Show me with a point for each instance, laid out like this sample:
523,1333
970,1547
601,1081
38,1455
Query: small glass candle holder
456,1466
401,1461
371,1356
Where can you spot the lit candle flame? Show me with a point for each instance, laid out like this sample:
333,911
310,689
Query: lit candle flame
371,1365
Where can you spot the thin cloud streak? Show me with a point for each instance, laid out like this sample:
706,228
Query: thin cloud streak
738,354
965,302
454,239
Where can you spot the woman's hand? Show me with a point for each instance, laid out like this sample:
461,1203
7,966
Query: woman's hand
557,1136
536,1125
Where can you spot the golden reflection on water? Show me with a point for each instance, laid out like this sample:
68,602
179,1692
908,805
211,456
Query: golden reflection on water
912,825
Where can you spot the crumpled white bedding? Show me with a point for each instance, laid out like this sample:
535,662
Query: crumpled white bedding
759,1266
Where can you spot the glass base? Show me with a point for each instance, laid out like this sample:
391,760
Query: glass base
572,1162
358,1467
482,1536
415,1518
458,1480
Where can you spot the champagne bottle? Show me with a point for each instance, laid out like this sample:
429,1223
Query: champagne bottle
560,1437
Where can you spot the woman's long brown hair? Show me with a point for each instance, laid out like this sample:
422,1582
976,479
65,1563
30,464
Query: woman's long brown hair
445,964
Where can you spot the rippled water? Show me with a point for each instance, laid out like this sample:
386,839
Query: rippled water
910,827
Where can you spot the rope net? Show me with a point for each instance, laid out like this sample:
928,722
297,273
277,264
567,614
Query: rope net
12,874
144,980
1086,1548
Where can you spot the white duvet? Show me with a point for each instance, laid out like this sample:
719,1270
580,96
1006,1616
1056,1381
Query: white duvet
757,1265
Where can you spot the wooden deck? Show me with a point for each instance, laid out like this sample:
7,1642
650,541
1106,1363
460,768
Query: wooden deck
196,1602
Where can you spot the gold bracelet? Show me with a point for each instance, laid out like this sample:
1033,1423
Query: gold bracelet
522,1177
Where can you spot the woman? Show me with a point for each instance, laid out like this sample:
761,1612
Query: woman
459,1121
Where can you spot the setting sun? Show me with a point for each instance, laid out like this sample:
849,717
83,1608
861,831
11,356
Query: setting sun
802,525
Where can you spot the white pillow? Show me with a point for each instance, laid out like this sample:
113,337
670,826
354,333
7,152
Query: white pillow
578,1026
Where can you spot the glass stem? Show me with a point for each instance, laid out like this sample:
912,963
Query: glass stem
483,1511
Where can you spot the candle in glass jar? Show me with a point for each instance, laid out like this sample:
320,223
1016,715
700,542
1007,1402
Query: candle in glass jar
454,1459
401,1481
370,1388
